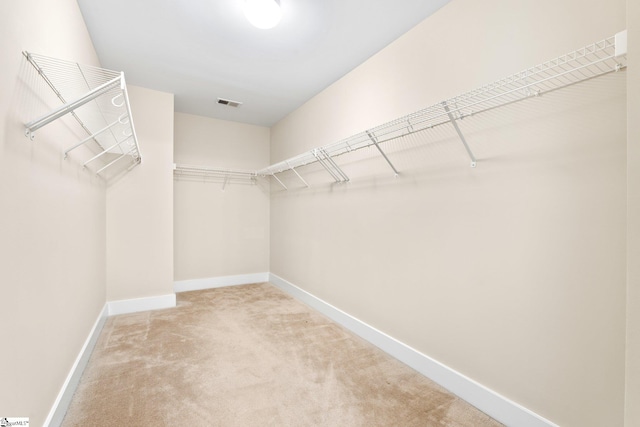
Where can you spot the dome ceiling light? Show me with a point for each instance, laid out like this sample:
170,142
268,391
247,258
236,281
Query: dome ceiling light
263,14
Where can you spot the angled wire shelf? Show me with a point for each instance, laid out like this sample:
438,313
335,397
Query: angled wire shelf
97,99
210,174
591,61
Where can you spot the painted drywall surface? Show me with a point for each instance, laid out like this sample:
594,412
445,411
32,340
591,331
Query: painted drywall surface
632,404
140,206
512,273
220,232
52,215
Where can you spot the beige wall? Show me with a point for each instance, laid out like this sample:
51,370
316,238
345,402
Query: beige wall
52,215
220,232
512,273
632,415
140,206
520,262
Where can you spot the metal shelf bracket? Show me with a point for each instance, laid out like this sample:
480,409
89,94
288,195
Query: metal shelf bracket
375,142
298,175
459,132
279,182
329,165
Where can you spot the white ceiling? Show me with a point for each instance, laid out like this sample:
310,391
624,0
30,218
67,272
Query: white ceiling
204,49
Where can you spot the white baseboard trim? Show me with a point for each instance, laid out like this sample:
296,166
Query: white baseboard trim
219,282
141,304
61,404
488,401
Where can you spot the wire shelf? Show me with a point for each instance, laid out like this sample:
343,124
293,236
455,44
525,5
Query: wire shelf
204,173
97,99
591,61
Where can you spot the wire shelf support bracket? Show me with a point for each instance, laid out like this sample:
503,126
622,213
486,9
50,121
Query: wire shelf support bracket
375,142
459,132
99,100
279,181
330,165
594,60
298,175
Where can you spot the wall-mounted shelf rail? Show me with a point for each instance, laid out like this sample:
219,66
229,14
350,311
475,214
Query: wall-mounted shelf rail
591,61
97,99
225,176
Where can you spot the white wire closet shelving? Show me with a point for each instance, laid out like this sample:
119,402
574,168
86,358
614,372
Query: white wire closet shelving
210,174
97,99
591,61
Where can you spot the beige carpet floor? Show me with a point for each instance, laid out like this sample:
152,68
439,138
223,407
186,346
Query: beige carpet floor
252,356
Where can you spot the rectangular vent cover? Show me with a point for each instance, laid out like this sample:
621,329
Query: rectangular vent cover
229,103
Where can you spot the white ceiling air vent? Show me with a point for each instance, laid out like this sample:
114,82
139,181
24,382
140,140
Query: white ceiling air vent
229,103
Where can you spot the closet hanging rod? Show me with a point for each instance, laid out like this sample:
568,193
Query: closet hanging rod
591,61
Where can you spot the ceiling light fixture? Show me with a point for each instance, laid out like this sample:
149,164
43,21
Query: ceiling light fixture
263,14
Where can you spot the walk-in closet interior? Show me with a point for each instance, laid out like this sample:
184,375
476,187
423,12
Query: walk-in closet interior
456,210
